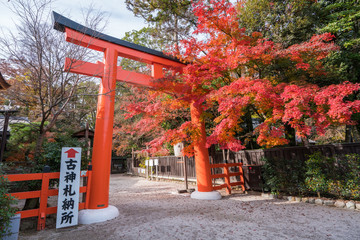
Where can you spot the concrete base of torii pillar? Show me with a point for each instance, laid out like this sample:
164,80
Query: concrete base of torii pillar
89,216
214,195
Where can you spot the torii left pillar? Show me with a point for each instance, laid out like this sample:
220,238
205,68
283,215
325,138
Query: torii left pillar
101,159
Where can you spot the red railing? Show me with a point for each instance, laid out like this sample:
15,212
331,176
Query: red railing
44,193
227,174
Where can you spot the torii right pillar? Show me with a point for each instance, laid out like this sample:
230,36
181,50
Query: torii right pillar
202,162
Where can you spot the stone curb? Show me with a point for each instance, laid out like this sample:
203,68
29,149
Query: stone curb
348,204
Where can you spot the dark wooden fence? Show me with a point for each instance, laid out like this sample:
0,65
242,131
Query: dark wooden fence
172,167
169,167
254,157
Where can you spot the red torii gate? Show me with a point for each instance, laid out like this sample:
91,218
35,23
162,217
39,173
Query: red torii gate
109,73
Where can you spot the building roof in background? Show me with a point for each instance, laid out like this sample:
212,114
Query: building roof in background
82,133
3,83
12,120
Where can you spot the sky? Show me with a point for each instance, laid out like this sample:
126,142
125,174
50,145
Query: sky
120,19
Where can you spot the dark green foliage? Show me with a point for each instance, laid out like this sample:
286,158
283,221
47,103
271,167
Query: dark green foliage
285,22
338,176
52,151
284,175
172,19
325,176
341,18
6,210
319,168
22,142
146,37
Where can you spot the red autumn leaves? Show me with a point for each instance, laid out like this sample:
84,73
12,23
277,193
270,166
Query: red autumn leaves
225,75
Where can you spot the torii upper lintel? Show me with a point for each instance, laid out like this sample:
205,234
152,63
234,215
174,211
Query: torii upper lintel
86,37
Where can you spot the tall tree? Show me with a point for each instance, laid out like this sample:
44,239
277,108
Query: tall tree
130,132
285,22
225,72
34,60
342,18
172,19
145,37
81,109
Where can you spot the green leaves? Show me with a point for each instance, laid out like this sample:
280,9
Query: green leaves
285,22
172,20
334,176
284,175
6,209
342,18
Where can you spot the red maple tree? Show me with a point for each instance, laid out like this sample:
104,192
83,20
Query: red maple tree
225,75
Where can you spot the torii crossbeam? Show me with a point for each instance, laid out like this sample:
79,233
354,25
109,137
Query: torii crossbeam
109,73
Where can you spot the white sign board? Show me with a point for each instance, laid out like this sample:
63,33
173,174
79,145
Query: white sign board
156,162
69,188
151,163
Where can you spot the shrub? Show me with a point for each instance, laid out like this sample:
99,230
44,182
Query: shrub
318,170
6,209
52,151
338,176
328,176
284,175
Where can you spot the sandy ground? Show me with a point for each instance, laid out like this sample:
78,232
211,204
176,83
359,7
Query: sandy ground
153,210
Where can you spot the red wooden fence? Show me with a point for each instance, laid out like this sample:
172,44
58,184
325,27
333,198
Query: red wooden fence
44,193
227,174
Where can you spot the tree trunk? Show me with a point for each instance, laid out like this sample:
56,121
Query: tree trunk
348,134
176,33
306,142
251,144
290,135
212,153
38,147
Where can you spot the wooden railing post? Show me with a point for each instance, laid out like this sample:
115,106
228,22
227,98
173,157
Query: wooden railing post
43,201
242,176
227,174
227,179
88,188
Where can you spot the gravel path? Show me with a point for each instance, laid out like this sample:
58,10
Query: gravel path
152,210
